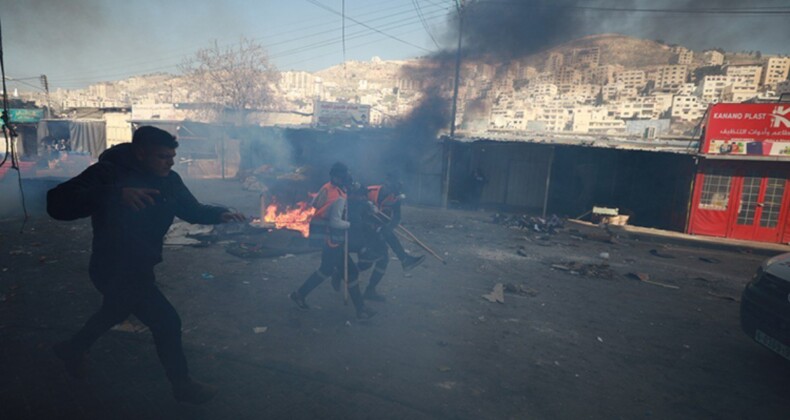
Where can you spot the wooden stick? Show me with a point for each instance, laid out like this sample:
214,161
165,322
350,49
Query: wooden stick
345,270
425,247
414,238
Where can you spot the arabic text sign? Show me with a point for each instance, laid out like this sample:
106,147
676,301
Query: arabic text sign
748,129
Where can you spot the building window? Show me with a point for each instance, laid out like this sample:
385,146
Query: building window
715,192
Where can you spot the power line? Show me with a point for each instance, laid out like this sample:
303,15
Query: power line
417,8
754,10
177,59
331,10
379,14
320,44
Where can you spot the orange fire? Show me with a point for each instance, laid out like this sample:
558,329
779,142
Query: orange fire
296,217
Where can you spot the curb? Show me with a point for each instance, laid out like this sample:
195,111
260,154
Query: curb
663,236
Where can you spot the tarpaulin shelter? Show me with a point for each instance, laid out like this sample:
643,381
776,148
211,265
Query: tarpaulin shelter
83,136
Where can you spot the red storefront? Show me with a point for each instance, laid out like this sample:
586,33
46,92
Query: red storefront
741,186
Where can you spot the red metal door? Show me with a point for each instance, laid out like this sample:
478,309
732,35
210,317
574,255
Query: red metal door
760,208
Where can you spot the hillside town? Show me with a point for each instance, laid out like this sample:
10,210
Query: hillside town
599,85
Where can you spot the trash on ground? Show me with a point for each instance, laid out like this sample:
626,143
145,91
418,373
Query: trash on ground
523,221
710,260
604,255
600,339
659,254
602,270
260,330
521,251
127,326
181,233
446,385
520,289
496,295
645,278
207,276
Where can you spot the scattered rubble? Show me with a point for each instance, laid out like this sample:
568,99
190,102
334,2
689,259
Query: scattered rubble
659,254
601,271
523,221
497,295
520,289
645,278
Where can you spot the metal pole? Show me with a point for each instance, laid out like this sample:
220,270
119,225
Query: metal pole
448,145
548,182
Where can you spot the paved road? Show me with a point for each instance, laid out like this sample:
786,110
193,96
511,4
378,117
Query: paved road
590,342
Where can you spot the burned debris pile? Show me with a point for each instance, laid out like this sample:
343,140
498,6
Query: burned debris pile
523,221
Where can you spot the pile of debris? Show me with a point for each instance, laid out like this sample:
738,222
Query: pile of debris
523,221
601,270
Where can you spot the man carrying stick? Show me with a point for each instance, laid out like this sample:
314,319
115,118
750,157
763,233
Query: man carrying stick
387,200
329,225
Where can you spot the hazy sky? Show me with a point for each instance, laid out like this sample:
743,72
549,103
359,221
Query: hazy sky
77,42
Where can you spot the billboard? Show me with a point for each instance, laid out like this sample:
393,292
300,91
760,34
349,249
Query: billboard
25,115
339,114
752,130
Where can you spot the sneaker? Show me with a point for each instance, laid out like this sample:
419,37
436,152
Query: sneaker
73,361
370,294
299,300
193,392
410,262
366,313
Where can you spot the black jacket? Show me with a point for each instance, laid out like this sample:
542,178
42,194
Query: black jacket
123,238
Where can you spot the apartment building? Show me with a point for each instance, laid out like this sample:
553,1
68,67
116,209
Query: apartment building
554,62
749,73
601,75
713,58
632,79
776,70
586,57
688,108
711,87
682,56
671,77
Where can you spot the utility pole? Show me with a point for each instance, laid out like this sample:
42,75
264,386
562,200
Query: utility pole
448,143
45,85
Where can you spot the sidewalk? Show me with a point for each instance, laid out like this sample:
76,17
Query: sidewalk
677,238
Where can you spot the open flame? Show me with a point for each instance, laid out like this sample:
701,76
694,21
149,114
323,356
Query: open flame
296,217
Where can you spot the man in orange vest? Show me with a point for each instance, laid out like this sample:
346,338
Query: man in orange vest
329,224
387,199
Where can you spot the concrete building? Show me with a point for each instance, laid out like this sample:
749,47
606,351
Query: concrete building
713,58
601,75
586,57
671,77
647,129
688,108
712,86
749,73
776,70
554,62
682,55
737,92
632,79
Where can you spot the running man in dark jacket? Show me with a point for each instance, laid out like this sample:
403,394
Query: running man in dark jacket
132,196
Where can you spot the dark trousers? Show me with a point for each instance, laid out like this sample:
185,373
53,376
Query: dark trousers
135,293
394,243
332,264
376,255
